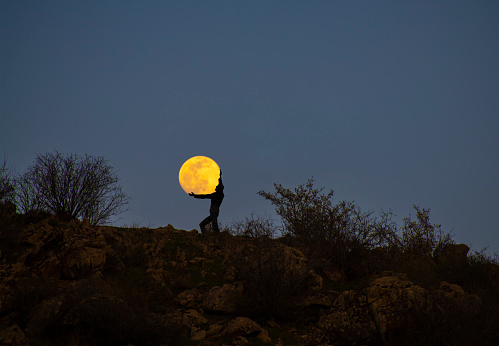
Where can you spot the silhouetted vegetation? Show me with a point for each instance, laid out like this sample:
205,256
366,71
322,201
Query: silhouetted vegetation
71,186
340,236
254,226
420,238
7,183
333,236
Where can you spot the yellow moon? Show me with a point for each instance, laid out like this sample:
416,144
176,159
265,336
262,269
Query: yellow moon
199,174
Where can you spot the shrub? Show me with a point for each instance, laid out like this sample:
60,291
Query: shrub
7,184
342,236
339,235
420,238
483,272
72,186
255,226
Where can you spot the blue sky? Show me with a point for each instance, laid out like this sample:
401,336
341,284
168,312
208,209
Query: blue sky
388,103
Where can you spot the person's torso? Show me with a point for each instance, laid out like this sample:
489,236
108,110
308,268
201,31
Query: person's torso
216,201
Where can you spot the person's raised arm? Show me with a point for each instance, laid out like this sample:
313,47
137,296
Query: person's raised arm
200,196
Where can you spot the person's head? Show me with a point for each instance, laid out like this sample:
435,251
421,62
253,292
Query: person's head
220,185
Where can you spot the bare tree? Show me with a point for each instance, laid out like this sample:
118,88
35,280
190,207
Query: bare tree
72,186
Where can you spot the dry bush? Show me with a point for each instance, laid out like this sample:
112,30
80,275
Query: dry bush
7,183
71,186
340,236
337,235
10,229
255,226
415,250
420,238
10,225
482,272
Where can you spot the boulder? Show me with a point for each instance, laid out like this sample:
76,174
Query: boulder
188,297
394,304
382,311
264,336
348,322
240,341
313,282
9,274
199,261
99,308
154,249
44,315
333,274
193,317
215,329
295,257
223,299
454,256
51,268
82,262
160,275
241,326
189,322
41,234
13,335
455,295
319,300
197,333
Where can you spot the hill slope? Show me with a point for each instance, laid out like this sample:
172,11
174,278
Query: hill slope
72,283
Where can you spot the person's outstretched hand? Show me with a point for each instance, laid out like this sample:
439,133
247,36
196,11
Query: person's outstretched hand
191,194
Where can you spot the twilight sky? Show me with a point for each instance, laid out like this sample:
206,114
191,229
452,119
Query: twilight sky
388,103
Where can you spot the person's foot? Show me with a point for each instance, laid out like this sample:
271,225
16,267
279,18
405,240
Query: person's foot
203,230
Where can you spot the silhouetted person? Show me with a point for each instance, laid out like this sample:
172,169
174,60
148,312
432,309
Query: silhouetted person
216,200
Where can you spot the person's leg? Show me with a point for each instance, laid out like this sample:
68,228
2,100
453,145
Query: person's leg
214,222
203,223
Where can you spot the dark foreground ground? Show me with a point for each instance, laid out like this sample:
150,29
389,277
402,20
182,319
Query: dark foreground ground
72,283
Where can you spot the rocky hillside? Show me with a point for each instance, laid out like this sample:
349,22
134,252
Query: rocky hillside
72,283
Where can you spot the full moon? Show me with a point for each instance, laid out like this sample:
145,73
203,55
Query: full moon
199,174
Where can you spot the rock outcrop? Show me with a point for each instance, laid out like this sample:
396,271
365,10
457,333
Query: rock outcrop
241,326
224,299
395,303
14,336
67,281
382,312
453,257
